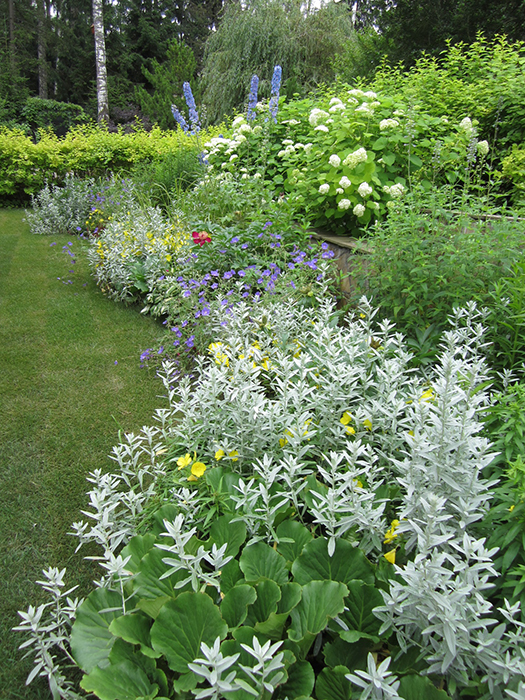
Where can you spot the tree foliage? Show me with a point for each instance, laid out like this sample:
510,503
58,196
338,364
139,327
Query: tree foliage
254,37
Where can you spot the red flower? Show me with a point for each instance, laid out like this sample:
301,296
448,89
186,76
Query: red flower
201,237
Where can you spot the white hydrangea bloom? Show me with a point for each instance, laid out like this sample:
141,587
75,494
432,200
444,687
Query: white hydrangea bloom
257,129
316,116
335,101
336,107
334,160
287,142
298,145
375,104
321,127
344,204
388,124
466,125
359,210
233,157
339,190
363,109
395,191
365,190
483,148
281,153
371,95
352,101
307,147
292,122
398,113
353,159
240,138
356,93
245,129
324,188
344,182
238,121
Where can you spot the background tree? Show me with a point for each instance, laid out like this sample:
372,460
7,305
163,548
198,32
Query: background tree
100,62
257,35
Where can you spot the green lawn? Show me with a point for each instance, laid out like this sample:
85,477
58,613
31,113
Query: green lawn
62,401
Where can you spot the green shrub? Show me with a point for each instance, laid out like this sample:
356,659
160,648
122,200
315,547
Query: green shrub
59,116
429,257
513,169
169,176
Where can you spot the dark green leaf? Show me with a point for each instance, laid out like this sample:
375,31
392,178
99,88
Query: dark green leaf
292,530
91,640
321,600
347,563
259,560
125,681
234,606
331,684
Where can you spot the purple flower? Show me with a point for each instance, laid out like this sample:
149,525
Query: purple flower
205,311
186,293
235,239
176,342
160,350
214,285
241,273
214,273
268,223
52,244
276,85
228,275
178,118
244,246
291,266
252,99
190,101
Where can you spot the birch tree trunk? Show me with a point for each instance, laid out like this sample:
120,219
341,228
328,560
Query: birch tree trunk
42,46
100,60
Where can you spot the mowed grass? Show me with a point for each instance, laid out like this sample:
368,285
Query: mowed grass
62,401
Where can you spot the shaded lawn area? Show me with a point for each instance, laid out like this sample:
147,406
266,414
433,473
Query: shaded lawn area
62,401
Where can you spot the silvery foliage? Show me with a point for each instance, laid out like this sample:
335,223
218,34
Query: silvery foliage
136,243
192,563
378,683
437,602
48,627
60,209
265,675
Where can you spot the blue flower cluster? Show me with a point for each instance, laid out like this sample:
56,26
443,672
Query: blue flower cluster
252,99
179,118
276,86
192,108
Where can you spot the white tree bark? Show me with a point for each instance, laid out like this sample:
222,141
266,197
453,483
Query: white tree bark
100,60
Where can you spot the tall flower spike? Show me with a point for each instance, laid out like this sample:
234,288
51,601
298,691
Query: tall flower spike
192,107
179,118
252,99
276,85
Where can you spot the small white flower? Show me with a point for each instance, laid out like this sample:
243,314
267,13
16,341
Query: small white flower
307,147
321,127
466,125
245,129
371,95
359,210
365,190
344,182
483,148
233,157
363,109
334,160
353,159
281,153
287,142
336,107
356,93
257,129
240,138
339,190
316,116
292,122
298,145
335,101
324,188
237,121
388,124
344,204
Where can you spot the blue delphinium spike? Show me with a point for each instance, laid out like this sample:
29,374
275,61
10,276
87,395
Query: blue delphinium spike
252,100
192,107
179,118
276,84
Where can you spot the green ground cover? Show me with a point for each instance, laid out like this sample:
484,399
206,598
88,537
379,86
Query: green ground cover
62,401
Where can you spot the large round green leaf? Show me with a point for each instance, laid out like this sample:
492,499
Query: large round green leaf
414,687
223,531
268,595
181,626
234,606
300,683
260,561
91,640
125,681
347,563
358,616
321,601
331,684
292,538
134,629
148,582
137,548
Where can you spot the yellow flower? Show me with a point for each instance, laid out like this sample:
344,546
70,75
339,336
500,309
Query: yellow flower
283,442
358,483
219,454
411,432
391,533
428,395
345,418
350,430
198,469
184,461
391,556
264,364
234,456
368,424
512,508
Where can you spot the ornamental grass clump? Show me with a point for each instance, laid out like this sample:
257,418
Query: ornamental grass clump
304,509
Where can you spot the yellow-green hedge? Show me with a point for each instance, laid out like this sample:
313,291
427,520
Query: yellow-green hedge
85,150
